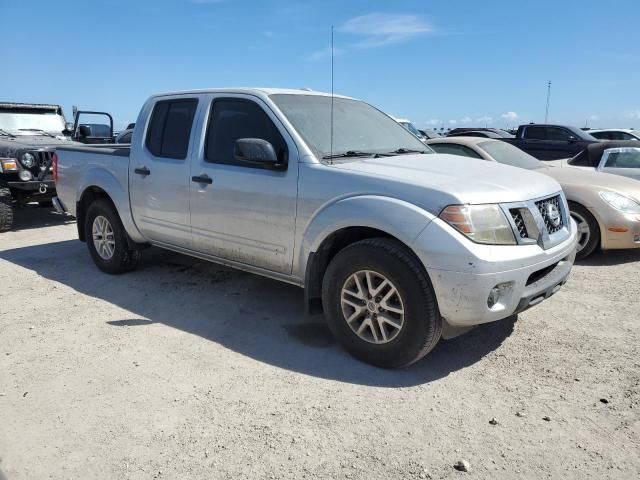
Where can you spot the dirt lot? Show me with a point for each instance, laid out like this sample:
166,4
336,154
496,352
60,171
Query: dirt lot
184,369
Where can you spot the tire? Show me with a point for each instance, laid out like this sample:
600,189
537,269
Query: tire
122,259
380,343
588,230
6,210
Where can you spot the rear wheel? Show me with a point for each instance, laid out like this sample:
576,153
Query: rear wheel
379,303
107,239
588,230
6,210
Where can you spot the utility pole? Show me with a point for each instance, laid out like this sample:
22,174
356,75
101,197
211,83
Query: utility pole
546,113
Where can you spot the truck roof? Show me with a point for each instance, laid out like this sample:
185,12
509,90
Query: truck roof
252,91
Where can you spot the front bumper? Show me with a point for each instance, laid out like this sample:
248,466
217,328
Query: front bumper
618,230
34,186
526,274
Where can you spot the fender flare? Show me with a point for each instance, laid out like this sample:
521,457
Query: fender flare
398,218
106,181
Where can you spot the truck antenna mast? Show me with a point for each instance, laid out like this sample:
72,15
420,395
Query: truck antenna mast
331,134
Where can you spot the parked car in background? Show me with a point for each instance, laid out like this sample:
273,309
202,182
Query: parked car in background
411,128
393,243
124,136
618,158
605,207
428,133
615,134
550,142
29,132
494,132
481,134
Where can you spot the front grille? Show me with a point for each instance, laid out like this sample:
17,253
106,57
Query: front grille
516,214
42,164
551,213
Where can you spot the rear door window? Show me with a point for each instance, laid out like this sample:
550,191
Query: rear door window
558,134
535,133
170,128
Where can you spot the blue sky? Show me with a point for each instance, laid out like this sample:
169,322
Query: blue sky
444,62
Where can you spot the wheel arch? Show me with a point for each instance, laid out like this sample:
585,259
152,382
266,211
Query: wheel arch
348,221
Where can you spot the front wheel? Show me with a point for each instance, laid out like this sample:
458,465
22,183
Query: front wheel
588,230
380,304
6,210
107,239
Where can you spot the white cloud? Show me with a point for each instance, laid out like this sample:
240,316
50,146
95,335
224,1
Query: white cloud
324,53
379,29
434,121
484,120
466,120
593,118
634,115
510,116
452,122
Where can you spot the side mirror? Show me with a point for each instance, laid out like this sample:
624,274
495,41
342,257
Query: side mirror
68,129
84,131
256,151
572,139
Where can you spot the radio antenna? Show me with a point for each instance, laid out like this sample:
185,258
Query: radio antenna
331,134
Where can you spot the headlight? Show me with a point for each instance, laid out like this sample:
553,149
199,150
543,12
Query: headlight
620,202
27,160
480,223
25,175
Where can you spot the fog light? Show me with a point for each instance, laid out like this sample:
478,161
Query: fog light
498,293
636,238
25,175
494,296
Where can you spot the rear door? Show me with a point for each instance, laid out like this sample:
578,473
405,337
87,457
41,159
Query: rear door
243,212
534,142
159,171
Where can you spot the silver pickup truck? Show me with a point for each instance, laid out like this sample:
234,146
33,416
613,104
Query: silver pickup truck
397,245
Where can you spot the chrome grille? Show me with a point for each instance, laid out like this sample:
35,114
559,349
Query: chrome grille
551,213
516,214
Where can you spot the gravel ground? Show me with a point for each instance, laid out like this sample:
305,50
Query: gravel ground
185,369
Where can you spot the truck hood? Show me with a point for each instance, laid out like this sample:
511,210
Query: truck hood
9,146
453,179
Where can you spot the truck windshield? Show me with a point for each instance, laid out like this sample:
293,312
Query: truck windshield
21,120
357,126
506,153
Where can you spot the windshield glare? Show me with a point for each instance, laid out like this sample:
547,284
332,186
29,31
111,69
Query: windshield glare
506,153
16,120
357,126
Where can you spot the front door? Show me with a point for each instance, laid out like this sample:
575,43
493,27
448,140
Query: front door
159,172
239,211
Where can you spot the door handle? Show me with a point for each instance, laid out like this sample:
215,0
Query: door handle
203,178
142,171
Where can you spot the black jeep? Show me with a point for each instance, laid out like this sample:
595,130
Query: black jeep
29,134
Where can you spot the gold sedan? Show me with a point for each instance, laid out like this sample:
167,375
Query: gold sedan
606,207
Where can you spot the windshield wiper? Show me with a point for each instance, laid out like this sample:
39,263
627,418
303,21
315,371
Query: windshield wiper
37,130
354,153
402,151
4,132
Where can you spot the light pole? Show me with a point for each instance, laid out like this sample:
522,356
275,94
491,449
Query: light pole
546,113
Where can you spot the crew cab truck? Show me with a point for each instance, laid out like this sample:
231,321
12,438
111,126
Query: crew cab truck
550,142
395,246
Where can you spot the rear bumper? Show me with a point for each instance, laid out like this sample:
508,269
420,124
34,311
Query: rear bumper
524,275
